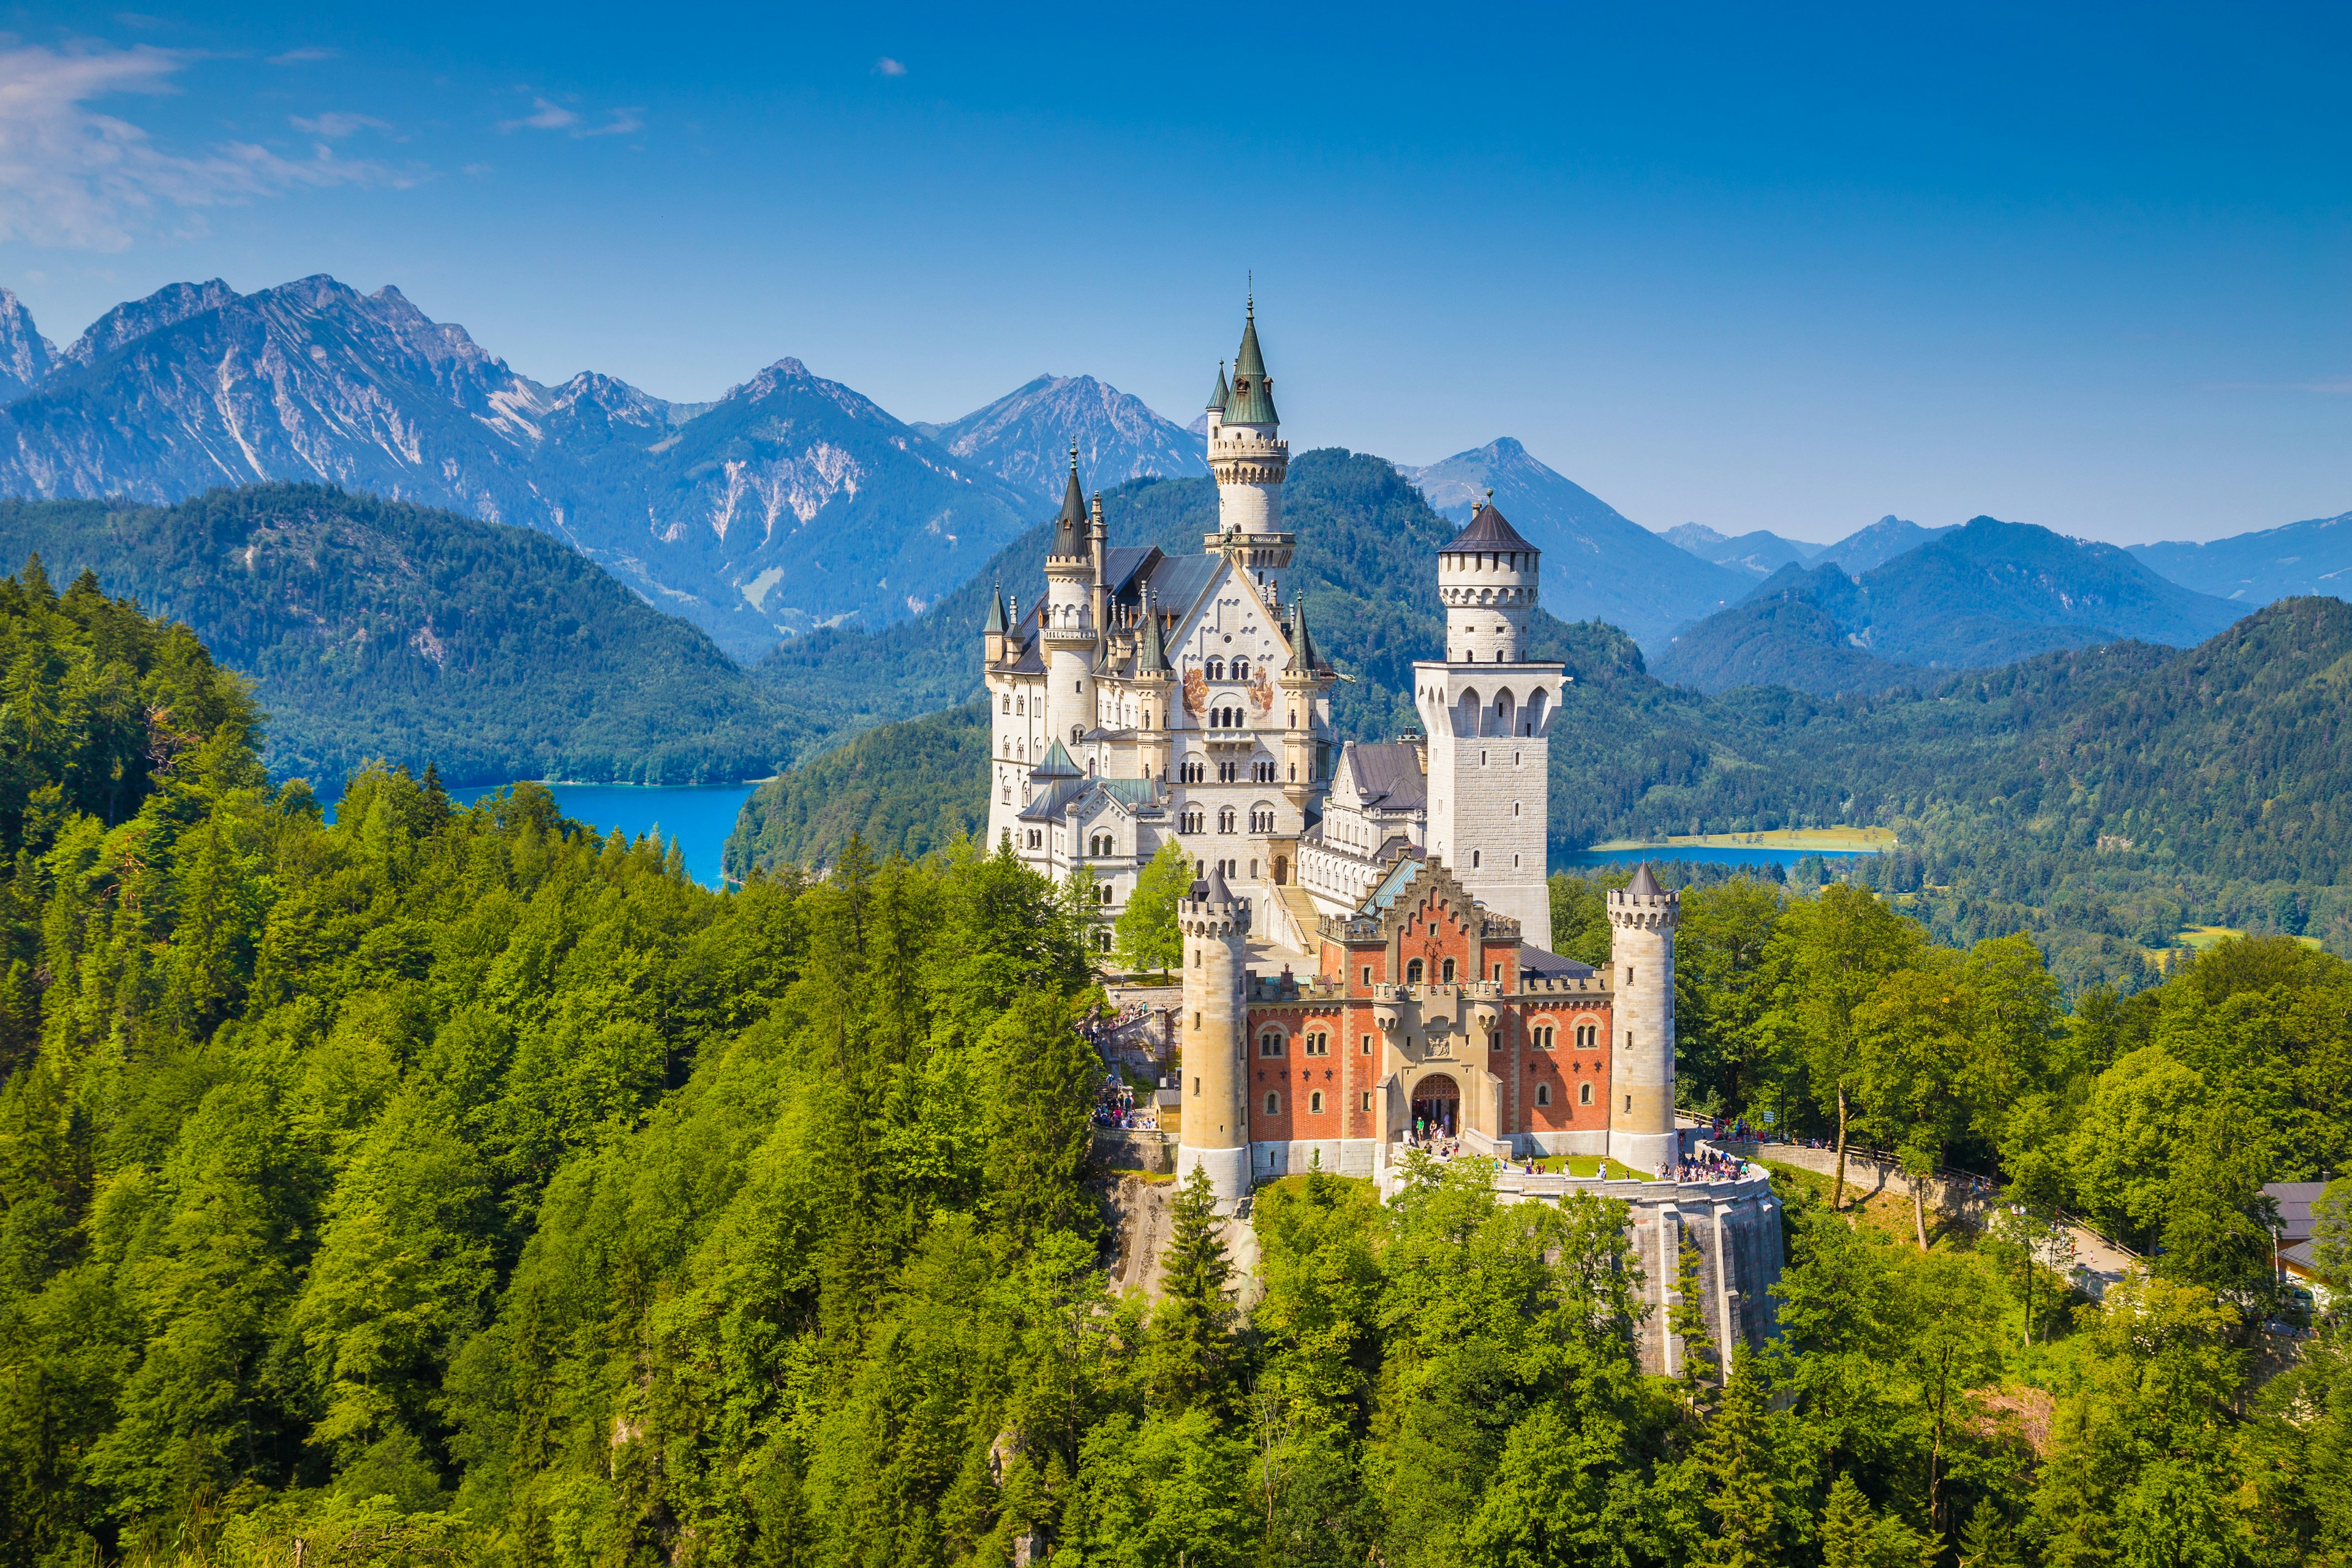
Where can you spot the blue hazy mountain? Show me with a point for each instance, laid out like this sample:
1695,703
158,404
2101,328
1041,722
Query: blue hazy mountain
1597,564
1024,438
1760,553
2312,557
1985,594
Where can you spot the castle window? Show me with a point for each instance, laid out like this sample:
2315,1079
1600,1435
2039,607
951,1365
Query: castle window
1543,1094
1217,670
1036,839
1584,1094
1541,1036
1225,820
1629,974
1514,808
1102,938
1368,980
1314,1102
1473,859
1368,1100
1498,975
1102,893
1629,1105
1021,705
1241,669
1318,1044
1262,820
1368,1045
1411,970
1008,705
1446,974
1273,1103
1270,1042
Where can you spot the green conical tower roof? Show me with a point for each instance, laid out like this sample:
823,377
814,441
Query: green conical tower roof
1218,398
1302,647
1151,658
1056,765
996,621
1251,399
1070,528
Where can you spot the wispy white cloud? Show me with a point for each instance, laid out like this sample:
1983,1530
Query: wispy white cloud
70,175
886,66
548,115
304,57
335,127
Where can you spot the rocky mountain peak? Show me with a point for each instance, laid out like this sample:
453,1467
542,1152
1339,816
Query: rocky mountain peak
1025,436
25,356
166,307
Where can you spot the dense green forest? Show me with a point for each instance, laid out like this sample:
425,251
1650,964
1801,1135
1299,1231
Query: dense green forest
459,1186
377,629
904,789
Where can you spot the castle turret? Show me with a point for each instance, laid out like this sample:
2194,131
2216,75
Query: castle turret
1488,711
1215,1120
1154,683
1246,451
1641,921
1215,414
1070,626
1487,576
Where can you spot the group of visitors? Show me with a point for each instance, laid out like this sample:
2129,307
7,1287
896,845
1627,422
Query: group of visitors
1711,1167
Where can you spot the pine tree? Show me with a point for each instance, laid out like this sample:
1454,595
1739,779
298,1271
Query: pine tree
1736,1457
1847,1528
1191,1355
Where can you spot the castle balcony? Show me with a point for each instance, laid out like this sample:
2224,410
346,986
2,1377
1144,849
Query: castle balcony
1230,739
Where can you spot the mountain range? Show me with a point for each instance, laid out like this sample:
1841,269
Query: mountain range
788,503
1763,553
2312,557
1985,594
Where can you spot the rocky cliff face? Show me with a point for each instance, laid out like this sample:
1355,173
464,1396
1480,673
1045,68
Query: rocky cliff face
25,356
1025,436
791,503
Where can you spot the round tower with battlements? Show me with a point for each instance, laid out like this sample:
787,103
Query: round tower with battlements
1487,576
1214,1133
1641,921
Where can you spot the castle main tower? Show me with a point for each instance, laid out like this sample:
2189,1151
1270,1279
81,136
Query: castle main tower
1247,453
1071,628
1641,921
1215,1061
1487,710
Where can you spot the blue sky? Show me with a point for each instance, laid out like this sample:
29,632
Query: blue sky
1756,267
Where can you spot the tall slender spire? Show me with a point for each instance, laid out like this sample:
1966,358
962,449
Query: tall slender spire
996,621
1070,528
1251,402
1151,658
1302,647
1218,398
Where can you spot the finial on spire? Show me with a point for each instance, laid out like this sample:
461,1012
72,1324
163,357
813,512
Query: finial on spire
1074,459
1249,294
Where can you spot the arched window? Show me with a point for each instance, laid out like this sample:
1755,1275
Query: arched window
1318,1044
1584,1094
1021,705
1270,1042
1217,670
1475,854
1543,1094
1102,893
1506,711
1314,1102
1466,714
1412,969
1447,971
1273,1103
1225,820
1241,669
1008,702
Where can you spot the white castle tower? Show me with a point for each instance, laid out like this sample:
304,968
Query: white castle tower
1215,1040
1072,573
1487,709
1641,921
1247,455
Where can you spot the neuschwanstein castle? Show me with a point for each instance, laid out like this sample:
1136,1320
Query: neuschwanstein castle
1366,957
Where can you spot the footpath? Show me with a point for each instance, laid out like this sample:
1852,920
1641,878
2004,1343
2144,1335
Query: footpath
2094,1261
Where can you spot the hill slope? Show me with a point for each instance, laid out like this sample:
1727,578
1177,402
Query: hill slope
1597,563
1024,438
2312,557
374,628
1760,553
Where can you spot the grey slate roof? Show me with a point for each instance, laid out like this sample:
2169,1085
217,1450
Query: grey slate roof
1387,773
1489,530
1644,885
1536,963
1178,581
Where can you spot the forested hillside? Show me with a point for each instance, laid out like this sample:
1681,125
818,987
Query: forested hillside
376,629
454,1187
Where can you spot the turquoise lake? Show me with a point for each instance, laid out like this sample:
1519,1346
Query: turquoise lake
1744,855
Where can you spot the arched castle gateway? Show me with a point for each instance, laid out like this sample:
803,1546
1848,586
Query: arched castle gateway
1366,948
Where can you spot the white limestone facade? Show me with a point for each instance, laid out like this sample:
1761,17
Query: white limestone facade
1641,921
